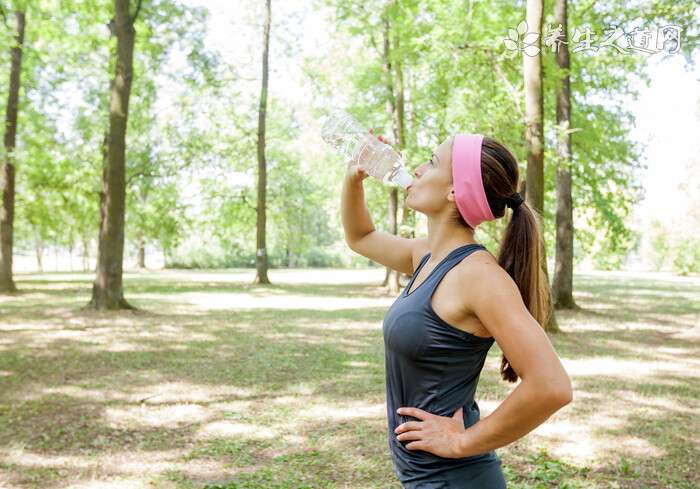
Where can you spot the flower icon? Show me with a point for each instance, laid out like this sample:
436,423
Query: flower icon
528,42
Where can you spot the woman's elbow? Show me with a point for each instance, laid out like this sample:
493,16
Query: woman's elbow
562,392
555,392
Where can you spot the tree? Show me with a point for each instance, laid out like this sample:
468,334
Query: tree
562,284
395,109
261,253
378,78
7,176
459,80
532,73
107,291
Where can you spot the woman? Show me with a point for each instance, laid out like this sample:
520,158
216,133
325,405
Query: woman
460,300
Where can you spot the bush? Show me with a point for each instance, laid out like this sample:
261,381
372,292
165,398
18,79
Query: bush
317,257
686,257
214,255
211,256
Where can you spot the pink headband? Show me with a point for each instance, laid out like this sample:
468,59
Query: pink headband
466,176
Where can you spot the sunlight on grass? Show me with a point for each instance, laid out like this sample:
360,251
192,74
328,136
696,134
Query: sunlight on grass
623,367
171,392
168,416
217,380
280,300
233,429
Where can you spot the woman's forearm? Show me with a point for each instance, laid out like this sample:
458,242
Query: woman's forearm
527,407
356,219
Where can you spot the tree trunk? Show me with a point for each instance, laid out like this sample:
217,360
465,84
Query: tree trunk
408,220
562,284
261,254
141,256
107,292
86,254
392,277
532,72
7,175
39,246
101,196
401,140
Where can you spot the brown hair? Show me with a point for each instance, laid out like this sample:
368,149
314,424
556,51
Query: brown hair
520,247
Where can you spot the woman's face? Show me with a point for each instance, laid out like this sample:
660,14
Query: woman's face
432,187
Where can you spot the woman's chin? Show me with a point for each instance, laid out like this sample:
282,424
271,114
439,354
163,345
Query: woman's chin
410,203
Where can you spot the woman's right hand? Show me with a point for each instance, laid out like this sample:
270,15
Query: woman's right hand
356,171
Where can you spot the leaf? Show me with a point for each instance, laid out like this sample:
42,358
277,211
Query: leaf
522,27
532,50
510,45
531,38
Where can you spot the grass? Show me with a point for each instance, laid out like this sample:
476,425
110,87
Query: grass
219,383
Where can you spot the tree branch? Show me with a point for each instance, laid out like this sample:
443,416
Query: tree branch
245,201
495,62
142,173
136,14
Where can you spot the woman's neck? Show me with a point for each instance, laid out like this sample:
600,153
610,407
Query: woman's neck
444,236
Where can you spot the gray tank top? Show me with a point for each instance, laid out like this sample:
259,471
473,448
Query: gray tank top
433,366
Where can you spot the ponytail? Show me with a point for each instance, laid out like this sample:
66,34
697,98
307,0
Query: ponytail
520,251
520,255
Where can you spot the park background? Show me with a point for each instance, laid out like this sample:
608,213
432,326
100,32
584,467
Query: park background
233,371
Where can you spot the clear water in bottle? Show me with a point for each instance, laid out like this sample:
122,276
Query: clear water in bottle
341,131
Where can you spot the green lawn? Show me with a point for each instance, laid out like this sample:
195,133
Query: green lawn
218,383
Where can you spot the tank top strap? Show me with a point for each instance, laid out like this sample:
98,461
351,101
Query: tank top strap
421,263
438,272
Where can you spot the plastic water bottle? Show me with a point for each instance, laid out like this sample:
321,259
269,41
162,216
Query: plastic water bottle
341,131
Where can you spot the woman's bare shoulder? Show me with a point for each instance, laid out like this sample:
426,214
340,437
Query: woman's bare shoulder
481,264
421,248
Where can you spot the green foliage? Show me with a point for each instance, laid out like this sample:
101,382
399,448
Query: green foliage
547,471
687,257
461,80
674,247
673,237
210,255
64,117
660,244
191,141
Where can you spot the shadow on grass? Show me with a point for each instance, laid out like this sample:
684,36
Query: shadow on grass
75,382
138,285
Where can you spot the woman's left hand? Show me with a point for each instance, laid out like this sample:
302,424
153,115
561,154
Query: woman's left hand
440,435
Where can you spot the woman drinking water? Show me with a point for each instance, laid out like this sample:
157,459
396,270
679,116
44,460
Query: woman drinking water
460,300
